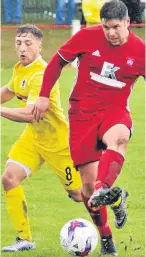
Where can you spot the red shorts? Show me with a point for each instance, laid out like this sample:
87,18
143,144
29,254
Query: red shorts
86,134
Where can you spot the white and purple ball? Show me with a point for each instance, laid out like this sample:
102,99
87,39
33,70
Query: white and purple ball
79,237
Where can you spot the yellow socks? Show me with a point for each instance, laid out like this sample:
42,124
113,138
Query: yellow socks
17,210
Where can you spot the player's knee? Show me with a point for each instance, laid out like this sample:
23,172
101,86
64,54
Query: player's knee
119,142
75,195
75,198
122,140
9,181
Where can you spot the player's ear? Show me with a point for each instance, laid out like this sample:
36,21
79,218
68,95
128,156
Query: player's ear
128,22
40,46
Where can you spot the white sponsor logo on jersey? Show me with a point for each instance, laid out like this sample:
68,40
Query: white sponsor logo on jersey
108,70
108,76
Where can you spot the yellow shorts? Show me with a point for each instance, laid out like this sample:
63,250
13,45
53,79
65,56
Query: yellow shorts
27,153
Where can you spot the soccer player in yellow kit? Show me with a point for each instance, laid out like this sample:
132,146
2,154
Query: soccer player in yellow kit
46,141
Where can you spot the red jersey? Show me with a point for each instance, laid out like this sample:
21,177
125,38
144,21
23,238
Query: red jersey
106,74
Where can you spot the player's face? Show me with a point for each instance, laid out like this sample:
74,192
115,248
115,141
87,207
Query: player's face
28,48
116,31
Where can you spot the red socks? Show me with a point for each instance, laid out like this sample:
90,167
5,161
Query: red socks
99,218
109,168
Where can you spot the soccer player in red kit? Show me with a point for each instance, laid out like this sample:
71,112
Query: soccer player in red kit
110,59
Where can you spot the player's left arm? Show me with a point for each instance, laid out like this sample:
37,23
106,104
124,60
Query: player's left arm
18,114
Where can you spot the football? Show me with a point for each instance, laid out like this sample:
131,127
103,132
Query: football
79,237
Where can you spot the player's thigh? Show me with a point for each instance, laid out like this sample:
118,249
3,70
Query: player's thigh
61,163
25,153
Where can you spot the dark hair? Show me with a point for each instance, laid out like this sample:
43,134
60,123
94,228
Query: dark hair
114,9
29,28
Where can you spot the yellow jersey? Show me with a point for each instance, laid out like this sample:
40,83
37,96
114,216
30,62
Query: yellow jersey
91,10
26,82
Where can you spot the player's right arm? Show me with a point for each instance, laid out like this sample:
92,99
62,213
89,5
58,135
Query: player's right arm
6,94
67,53
15,114
18,114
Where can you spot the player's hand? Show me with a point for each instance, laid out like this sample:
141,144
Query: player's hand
41,106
